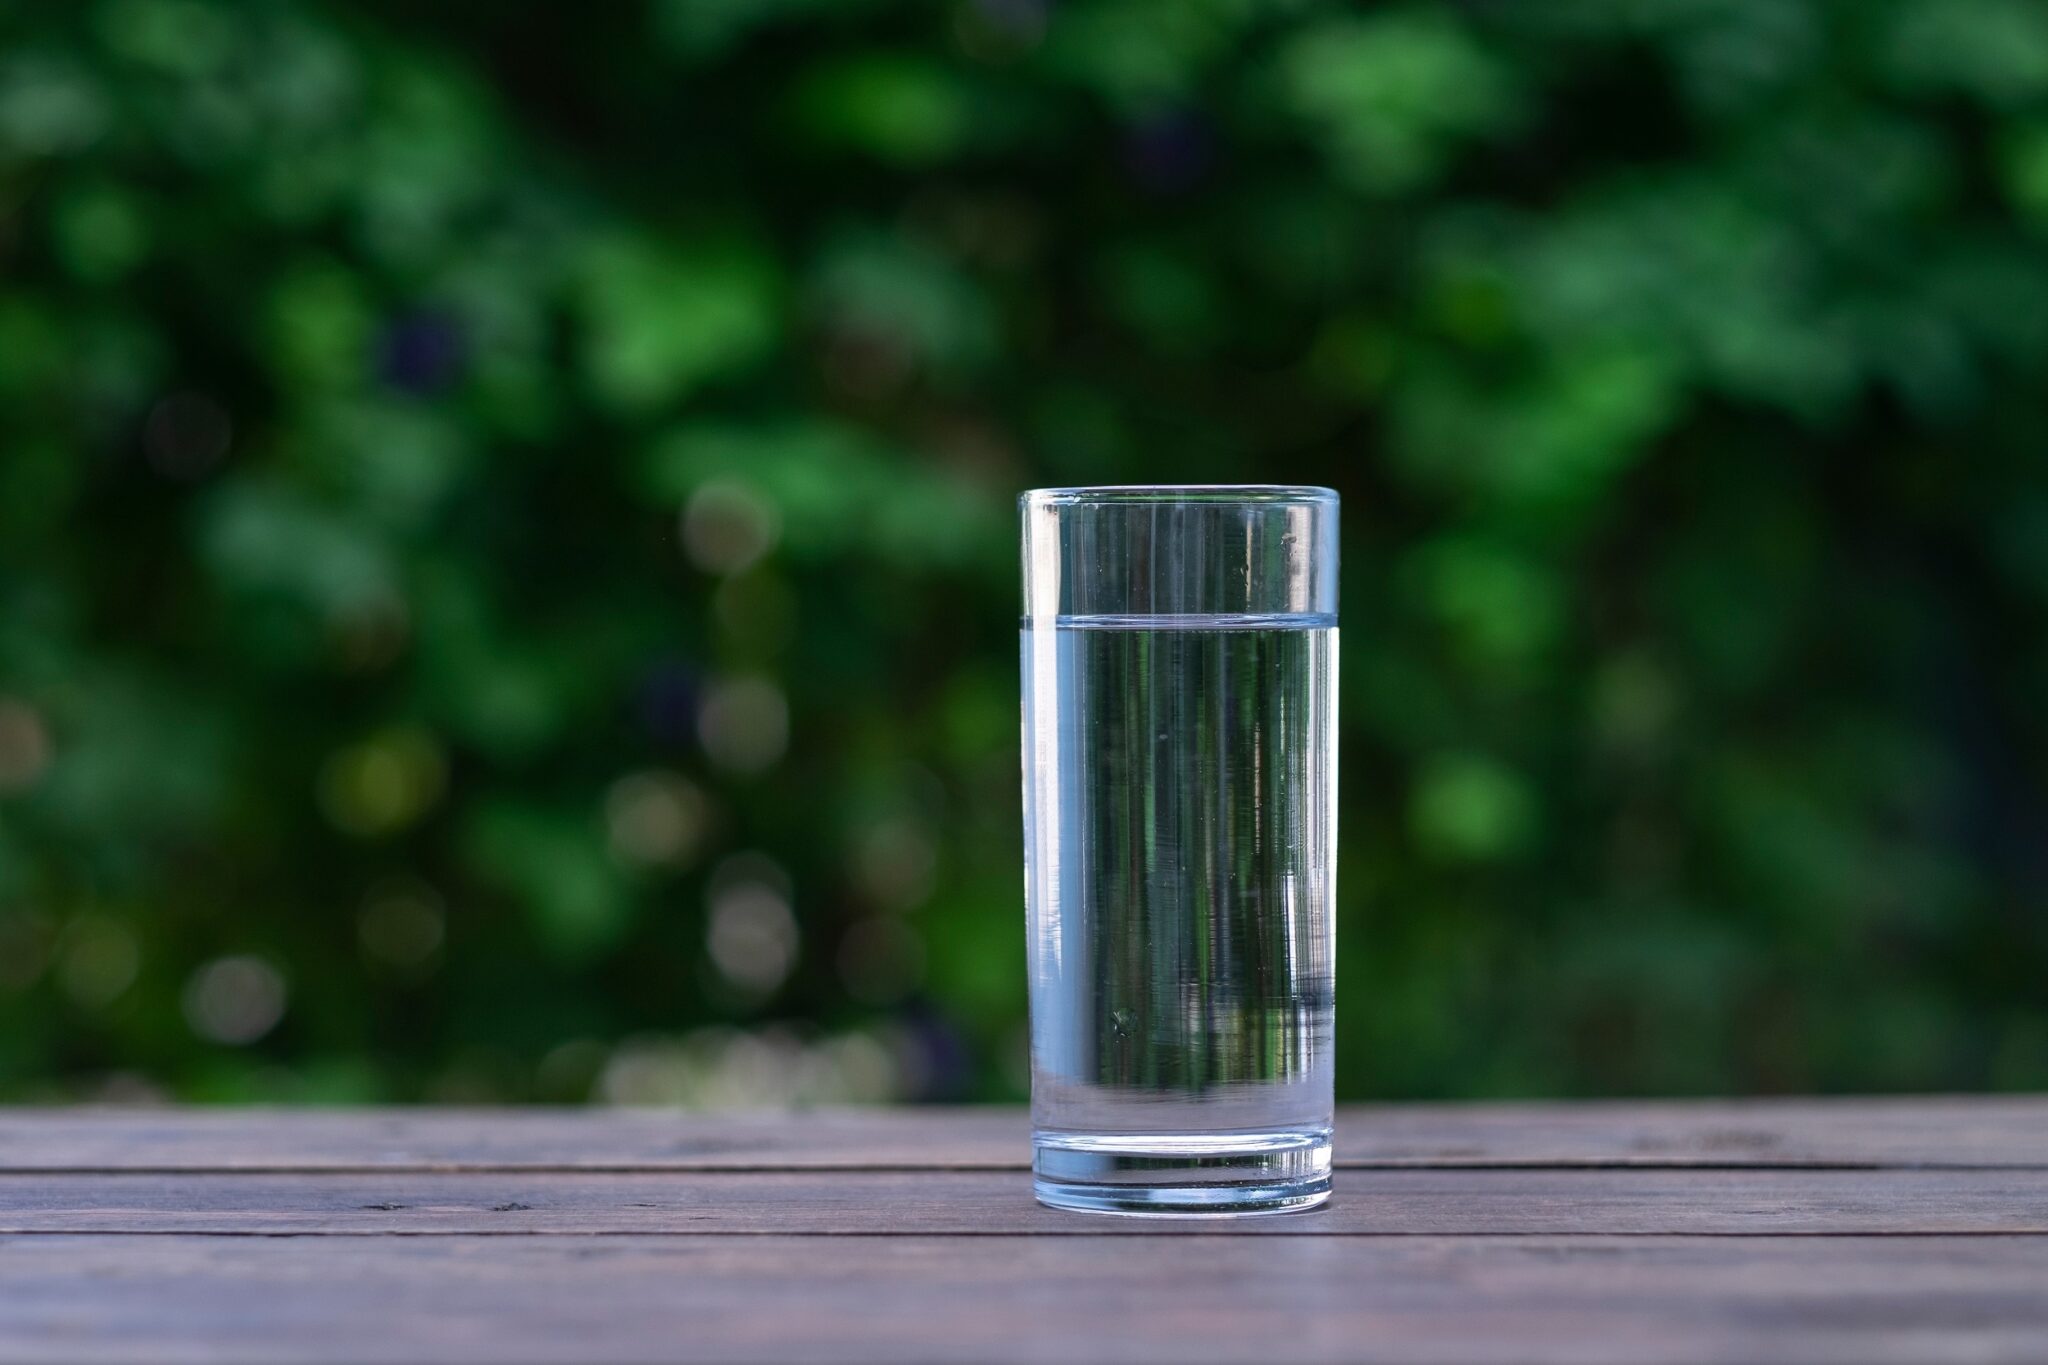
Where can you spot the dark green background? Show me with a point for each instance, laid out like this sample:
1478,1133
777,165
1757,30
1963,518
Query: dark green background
507,552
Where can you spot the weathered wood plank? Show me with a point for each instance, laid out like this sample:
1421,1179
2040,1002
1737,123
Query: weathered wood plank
1933,1131
910,1299
466,1139
1940,1132
1367,1203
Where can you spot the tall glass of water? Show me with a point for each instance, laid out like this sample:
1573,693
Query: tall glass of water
1180,819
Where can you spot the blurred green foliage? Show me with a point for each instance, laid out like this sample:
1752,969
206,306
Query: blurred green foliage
507,554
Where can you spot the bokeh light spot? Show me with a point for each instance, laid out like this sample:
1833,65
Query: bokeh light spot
24,746
101,960
401,925
753,936
894,863
655,819
729,526
383,784
769,1068
744,724
234,1000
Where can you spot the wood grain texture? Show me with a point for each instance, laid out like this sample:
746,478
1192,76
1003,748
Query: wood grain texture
1823,1230
913,1299
1367,1203
538,1139
1960,1132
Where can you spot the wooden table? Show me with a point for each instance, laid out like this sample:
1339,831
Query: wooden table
1811,1230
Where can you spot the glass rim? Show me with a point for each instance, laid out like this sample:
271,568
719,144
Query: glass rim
1167,493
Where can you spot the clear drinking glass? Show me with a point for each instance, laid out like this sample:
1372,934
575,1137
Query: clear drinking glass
1180,820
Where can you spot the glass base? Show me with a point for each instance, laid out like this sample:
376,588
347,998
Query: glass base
1181,1176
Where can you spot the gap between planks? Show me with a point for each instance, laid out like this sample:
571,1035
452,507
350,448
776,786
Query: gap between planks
1984,1133
1367,1203
686,1234
969,1168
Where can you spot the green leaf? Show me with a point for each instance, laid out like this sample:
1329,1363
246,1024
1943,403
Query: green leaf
263,537
319,321
1141,53
836,490
660,322
1472,808
554,865
1394,96
1993,50
100,232
884,290
895,108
